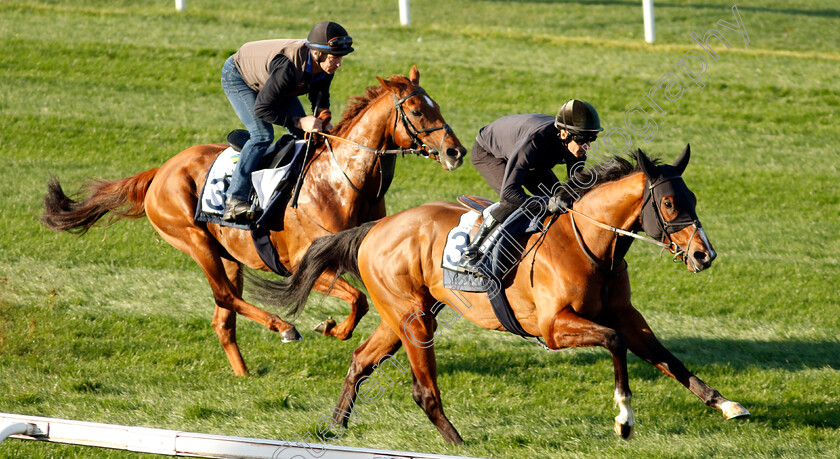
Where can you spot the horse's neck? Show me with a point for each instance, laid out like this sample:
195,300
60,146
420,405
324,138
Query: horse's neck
330,179
617,203
374,125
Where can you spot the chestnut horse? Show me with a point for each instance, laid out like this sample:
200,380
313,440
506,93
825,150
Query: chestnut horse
344,186
568,289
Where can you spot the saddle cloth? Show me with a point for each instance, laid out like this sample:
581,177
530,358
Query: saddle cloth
272,187
502,251
265,183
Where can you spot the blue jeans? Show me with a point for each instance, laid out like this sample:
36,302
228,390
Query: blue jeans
243,99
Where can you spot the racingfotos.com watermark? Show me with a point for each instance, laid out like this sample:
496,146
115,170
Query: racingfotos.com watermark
639,120
669,88
330,428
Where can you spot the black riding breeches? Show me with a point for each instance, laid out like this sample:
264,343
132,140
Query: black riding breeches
493,171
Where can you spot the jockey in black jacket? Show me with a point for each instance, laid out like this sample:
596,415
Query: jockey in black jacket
519,151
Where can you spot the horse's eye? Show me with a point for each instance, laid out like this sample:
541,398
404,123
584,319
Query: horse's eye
416,113
668,204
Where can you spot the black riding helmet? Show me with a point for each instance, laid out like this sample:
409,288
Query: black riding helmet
329,38
577,116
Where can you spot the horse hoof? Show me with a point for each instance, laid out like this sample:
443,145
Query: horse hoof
733,410
291,335
623,430
325,326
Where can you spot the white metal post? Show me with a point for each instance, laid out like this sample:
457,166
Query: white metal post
650,30
180,5
405,15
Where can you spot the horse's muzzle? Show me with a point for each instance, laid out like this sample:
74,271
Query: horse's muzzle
453,157
701,259
698,254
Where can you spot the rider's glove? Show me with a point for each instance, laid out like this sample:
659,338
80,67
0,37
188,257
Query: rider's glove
558,205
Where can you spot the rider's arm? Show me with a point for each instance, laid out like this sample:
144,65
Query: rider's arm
280,85
517,170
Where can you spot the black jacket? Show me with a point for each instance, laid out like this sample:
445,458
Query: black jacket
281,86
530,146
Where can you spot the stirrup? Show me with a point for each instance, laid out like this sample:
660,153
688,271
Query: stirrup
469,263
237,210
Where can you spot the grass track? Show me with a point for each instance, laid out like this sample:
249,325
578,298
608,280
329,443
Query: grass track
114,326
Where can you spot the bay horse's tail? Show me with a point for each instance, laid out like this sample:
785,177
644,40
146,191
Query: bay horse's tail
337,252
123,198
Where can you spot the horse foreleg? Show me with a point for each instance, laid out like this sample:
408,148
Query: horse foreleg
381,345
346,292
571,330
224,322
642,342
417,333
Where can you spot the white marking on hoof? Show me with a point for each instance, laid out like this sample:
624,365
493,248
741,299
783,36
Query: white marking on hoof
733,410
625,420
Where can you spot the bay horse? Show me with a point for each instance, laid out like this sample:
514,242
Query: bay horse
345,183
571,289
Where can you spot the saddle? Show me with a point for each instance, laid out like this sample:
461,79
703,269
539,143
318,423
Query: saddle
475,203
277,154
501,257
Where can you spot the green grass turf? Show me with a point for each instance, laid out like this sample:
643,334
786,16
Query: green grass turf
115,326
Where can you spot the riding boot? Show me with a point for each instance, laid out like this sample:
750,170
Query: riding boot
237,210
472,254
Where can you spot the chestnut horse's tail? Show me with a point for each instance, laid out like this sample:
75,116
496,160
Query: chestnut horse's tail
338,253
122,197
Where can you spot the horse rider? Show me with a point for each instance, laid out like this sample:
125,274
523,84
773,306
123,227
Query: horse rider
519,151
263,80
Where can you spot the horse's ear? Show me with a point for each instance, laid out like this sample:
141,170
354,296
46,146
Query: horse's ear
682,161
650,169
414,75
386,84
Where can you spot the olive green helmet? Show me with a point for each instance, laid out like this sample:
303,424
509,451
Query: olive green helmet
578,116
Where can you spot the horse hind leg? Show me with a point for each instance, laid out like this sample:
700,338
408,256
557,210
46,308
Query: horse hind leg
571,330
424,387
224,322
342,290
224,282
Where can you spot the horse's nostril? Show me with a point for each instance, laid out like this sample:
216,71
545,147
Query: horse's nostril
453,153
700,256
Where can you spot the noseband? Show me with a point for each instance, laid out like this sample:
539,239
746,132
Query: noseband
413,132
664,229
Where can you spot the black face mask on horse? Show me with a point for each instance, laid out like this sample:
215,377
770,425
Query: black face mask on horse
668,206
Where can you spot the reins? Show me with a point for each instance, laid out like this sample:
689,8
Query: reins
620,231
671,246
412,132
410,129
383,152
383,186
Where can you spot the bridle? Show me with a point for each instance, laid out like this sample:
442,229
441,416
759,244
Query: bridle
412,131
664,229
659,233
413,134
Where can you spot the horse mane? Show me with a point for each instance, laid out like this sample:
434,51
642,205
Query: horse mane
359,104
607,171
